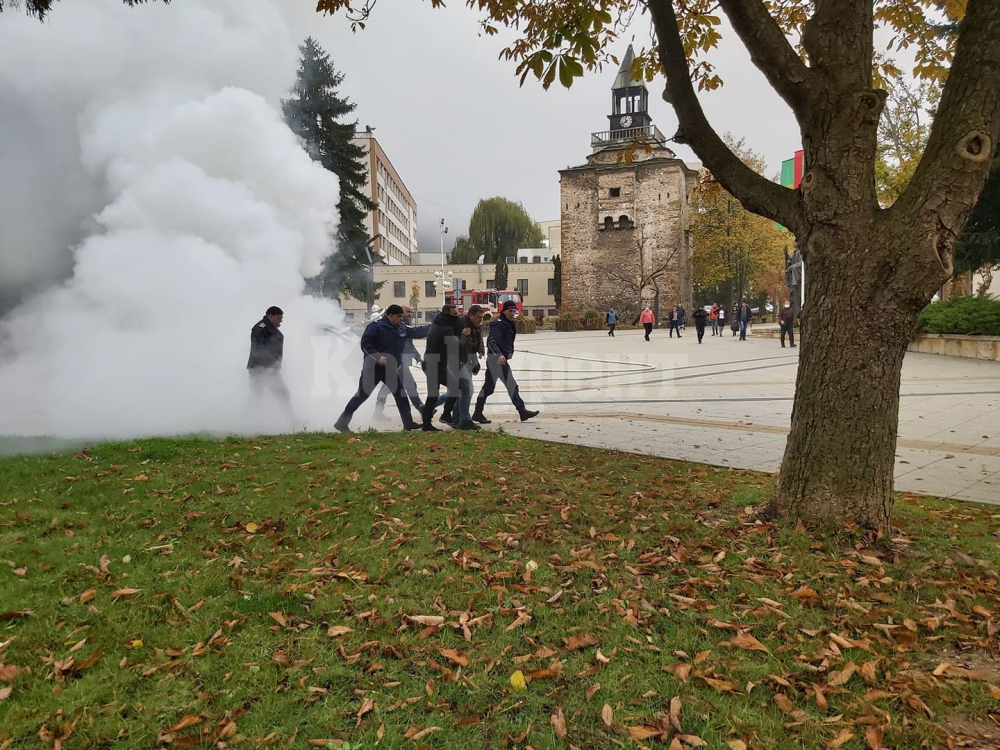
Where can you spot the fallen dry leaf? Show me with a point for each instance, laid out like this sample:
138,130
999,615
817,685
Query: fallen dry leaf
607,715
720,686
433,620
873,736
845,736
582,640
124,592
642,732
337,630
746,641
188,720
456,656
558,720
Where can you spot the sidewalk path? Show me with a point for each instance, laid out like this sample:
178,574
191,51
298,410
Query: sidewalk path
728,403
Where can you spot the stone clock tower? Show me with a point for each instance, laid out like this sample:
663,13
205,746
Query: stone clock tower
625,240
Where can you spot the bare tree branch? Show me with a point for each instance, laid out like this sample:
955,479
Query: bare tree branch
771,51
756,193
964,136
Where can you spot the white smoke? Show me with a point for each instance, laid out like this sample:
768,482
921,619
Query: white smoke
153,161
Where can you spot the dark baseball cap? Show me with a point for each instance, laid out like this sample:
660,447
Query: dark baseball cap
508,305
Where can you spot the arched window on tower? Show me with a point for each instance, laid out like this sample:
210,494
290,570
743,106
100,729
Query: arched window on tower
609,223
623,222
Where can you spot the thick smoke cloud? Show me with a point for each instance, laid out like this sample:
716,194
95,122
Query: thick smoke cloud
146,168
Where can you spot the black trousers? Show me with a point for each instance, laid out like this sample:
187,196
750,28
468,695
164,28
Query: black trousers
494,372
649,329
700,328
791,334
435,379
409,386
372,374
611,329
675,325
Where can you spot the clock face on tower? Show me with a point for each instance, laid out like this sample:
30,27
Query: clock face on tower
625,121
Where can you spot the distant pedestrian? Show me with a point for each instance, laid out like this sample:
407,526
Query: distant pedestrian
647,319
700,316
383,349
612,320
734,324
713,319
675,321
682,316
745,317
786,319
499,350
267,348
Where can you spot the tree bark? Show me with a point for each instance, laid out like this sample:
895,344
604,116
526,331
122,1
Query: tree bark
839,460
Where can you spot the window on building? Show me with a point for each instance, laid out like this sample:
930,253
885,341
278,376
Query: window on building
429,290
609,223
399,289
536,259
551,288
522,287
616,192
490,284
553,312
623,222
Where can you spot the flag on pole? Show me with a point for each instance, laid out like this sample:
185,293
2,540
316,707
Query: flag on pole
791,173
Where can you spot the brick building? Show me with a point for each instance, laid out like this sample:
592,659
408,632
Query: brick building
624,215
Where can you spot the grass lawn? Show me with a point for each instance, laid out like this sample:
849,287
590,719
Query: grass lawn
382,590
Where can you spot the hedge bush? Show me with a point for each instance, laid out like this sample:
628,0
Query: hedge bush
525,325
975,316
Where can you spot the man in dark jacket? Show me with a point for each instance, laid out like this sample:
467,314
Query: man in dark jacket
499,349
469,356
442,361
383,348
267,348
410,355
786,319
700,315
745,317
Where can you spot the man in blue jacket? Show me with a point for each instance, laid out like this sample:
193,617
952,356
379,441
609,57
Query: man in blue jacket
499,349
410,355
383,348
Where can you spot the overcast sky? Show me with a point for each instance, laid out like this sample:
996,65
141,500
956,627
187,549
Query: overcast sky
458,128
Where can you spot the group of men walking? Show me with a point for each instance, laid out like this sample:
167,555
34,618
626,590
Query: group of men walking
452,357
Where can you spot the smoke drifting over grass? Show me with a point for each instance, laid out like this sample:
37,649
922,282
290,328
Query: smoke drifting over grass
147,173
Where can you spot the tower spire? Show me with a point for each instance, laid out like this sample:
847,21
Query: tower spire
625,79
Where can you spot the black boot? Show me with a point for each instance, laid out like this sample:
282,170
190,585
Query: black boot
478,416
427,416
526,414
342,424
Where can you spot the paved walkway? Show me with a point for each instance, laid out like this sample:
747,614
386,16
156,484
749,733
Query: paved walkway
729,403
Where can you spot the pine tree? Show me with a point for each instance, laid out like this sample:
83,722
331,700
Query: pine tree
978,246
314,112
557,280
500,273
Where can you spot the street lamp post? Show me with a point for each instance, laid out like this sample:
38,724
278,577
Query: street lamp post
370,295
442,280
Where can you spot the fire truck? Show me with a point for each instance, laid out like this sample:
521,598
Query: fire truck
491,300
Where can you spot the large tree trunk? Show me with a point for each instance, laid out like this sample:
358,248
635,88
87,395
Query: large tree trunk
838,464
